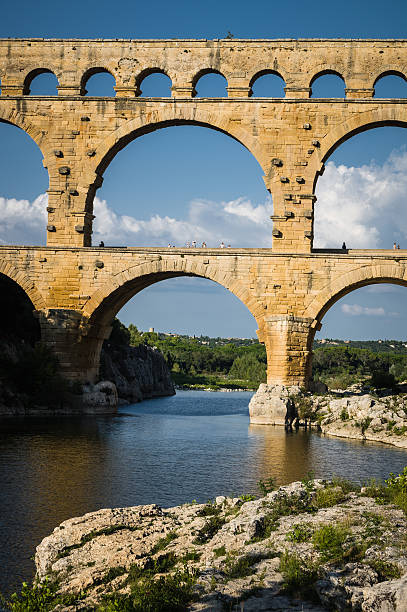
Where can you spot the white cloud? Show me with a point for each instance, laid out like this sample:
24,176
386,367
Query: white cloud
23,222
365,207
356,310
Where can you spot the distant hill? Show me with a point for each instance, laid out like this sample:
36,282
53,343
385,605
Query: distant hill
376,346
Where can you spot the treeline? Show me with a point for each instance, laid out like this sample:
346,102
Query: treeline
242,363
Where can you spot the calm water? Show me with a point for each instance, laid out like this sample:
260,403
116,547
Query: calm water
195,445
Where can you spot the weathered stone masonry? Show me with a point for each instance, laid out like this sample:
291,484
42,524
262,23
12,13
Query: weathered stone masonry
76,289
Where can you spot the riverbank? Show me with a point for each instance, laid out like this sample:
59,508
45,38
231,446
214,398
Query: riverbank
354,414
311,545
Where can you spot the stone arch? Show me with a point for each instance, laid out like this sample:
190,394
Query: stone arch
25,283
204,72
90,72
261,73
32,75
390,72
387,115
323,70
165,116
112,296
20,120
355,279
148,72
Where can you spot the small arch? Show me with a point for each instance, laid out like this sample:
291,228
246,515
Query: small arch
40,82
98,82
154,83
331,84
390,84
267,84
212,84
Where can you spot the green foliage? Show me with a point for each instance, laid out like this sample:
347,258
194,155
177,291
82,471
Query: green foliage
163,542
247,497
267,485
38,597
149,594
328,497
385,570
248,367
382,379
329,540
240,567
209,509
299,533
344,415
119,335
220,552
298,574
211,527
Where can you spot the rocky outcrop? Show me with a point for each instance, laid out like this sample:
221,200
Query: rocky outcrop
364,417
307,546
268,405
349,414
138,372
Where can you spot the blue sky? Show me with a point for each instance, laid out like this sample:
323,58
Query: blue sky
209,187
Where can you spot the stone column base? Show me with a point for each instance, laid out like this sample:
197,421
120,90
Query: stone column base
268,405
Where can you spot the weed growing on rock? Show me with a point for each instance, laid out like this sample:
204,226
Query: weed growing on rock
210,529
209,509
148,594
328,497
219,552
299,533
385,570
191,555
163,542
298,574
329,540
241,567
267,485
247,498
38,596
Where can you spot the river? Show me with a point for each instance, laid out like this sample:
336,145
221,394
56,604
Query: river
194,445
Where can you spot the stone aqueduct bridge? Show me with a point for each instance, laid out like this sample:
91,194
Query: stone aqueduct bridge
77,289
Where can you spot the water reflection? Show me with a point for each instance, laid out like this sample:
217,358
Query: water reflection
195,445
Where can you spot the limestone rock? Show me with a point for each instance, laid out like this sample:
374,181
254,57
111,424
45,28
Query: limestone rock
268,405
93,554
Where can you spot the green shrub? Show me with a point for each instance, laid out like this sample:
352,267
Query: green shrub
210,529
329,540
382,380
166,594
163,542
299,533
209,509
267,485
39,597
328,497
385,570
298,574
344,414
241,567
219,552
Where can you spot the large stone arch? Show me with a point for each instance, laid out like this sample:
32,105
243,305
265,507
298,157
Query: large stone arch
123,286
104,304
167,115
395,273
26,284
388,115
20,120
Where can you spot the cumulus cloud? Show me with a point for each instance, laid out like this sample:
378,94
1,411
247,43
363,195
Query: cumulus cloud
365,207
356,310
238,222
23,222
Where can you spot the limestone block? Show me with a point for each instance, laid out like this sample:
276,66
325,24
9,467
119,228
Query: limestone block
268,405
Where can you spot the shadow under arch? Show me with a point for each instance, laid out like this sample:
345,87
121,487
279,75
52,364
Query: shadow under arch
88,74
390,72
24,282
34,74
262,73
163,118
